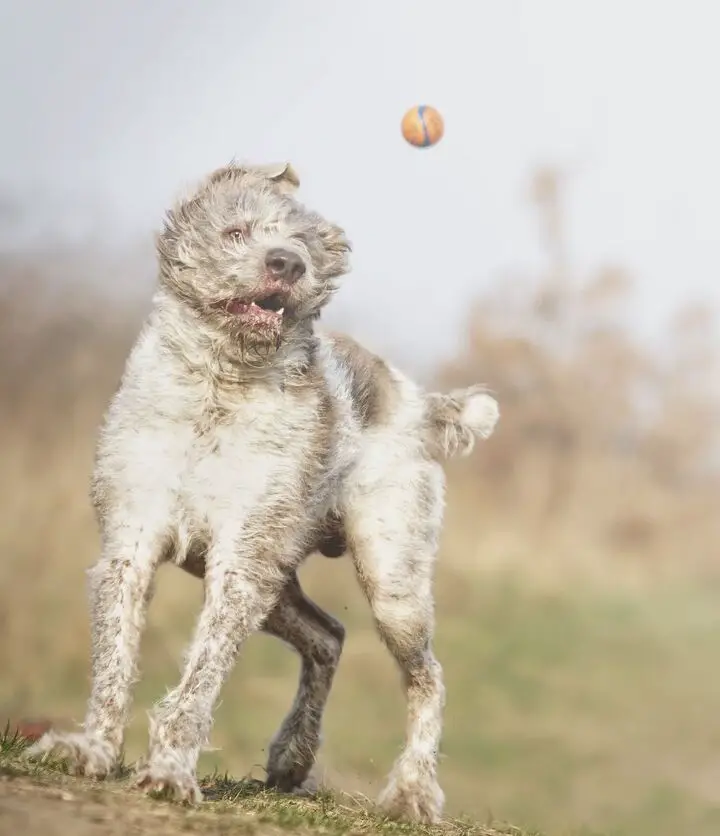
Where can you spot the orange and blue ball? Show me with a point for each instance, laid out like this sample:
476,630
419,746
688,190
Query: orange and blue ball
422,126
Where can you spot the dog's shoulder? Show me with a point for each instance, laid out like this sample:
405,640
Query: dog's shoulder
374,387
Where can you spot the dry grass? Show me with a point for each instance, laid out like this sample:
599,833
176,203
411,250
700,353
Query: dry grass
577,586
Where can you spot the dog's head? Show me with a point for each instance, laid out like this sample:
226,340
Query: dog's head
248,257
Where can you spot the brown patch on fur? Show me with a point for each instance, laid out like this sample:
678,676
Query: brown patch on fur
374,392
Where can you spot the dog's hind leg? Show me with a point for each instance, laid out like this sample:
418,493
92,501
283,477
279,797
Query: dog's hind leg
318,639
393,531
120,588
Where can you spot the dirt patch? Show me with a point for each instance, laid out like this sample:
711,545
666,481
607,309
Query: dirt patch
31,807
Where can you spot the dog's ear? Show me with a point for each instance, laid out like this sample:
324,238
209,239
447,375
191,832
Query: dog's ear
282,174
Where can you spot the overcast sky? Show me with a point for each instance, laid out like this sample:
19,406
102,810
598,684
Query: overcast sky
119,103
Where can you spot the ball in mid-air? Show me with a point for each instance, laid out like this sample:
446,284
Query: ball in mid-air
422,126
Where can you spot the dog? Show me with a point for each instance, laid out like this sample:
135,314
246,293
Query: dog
242,439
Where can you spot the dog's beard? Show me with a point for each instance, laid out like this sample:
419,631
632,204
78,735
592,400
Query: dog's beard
255,346
255,339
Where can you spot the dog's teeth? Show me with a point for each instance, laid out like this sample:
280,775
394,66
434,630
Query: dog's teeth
253,305
281,311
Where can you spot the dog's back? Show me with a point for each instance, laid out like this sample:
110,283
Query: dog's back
449,423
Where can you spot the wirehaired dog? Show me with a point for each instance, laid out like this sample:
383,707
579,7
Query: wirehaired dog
240,441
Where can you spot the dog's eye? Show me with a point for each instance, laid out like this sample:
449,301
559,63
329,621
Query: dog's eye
238,233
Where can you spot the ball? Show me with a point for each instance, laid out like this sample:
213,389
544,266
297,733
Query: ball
422,126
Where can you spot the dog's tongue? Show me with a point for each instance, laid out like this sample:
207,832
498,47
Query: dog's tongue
235,306
252,313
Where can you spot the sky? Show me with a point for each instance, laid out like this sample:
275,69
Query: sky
109,109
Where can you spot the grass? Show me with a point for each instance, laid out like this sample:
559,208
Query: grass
39,793
596,709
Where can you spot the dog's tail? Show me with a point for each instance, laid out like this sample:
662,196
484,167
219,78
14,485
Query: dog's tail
453,421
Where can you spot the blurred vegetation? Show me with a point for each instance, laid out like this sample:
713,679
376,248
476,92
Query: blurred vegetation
578,617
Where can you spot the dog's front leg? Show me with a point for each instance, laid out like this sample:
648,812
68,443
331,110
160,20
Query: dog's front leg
240,591
120,587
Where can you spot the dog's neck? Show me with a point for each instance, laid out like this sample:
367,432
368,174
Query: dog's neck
209,353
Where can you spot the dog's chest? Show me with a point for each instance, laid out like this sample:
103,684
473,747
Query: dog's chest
197,462
239,456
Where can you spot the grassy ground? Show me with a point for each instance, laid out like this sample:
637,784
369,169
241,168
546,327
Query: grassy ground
596,709
42,799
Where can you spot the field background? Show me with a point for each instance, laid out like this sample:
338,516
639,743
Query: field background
578,587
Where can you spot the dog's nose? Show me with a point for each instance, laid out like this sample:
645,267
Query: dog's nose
285,265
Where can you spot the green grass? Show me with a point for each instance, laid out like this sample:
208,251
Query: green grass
573,711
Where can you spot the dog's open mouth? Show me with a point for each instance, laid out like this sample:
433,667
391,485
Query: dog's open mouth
266,311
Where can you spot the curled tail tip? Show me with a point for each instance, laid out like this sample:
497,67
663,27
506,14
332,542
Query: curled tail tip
480,412
457,419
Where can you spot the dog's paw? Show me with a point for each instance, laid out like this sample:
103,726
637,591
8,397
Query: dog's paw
419,801
288,777
84,754
167,775
305,787
290,760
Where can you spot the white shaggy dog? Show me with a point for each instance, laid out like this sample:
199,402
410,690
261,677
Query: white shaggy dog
241,440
